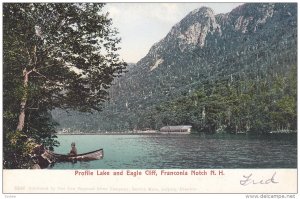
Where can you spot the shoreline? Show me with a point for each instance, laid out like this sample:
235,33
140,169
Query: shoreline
108,134
163,133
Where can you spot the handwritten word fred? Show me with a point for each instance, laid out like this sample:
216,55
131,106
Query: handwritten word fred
251,179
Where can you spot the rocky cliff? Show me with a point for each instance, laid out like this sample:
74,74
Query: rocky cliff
250,42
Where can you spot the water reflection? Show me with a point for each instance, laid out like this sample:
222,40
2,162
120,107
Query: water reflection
183,151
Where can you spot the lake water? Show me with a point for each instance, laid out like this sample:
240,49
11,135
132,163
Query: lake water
182,151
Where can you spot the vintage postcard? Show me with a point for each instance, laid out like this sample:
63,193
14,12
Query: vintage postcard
150,98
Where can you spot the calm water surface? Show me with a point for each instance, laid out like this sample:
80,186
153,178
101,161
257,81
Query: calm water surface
182,151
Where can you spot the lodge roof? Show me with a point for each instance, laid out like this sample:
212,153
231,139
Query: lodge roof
179,127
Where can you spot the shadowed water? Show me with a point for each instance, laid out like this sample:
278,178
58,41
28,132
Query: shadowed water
182,151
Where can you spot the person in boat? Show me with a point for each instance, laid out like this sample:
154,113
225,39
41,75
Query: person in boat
73,149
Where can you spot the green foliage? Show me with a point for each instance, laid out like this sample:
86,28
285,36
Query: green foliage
234,83
16,151
70,49
244,105
226,108
69,52
233,106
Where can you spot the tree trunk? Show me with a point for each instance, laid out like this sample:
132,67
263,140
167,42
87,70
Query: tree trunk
21,121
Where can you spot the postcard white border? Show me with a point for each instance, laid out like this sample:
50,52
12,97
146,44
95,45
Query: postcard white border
11,178
215,181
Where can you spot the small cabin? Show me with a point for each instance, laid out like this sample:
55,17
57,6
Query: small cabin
176,129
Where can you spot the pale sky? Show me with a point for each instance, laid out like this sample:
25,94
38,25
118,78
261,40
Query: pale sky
141,25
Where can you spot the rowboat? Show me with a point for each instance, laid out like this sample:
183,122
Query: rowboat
55,157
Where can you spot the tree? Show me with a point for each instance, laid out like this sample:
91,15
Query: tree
56,56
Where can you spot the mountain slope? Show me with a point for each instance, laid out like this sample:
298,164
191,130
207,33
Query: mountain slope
204,46
252,42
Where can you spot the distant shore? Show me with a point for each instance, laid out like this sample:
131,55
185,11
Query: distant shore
154,132
114,133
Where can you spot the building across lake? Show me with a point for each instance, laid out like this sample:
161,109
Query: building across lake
182,129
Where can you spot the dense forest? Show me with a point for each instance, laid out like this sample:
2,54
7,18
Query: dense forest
249,105
257,106
242,77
